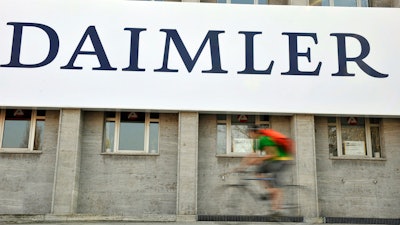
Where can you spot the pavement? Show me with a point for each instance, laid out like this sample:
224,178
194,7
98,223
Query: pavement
115,220
167,223
164,223
143,223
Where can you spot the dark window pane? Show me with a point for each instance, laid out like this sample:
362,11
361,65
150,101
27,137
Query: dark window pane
243,119
332,136
264,118
16,133
16,128
109,137
364,3
221,117
41,112
374,120
154,115
348,3
221,138
110,114
331,119
18,114
376,144
39,132
132,117
131,136
153,139
242,1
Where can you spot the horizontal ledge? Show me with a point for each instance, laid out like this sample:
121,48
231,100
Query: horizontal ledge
230,155
356,158
130,153
14,151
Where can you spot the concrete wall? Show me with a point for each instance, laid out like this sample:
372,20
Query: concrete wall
68,162
188,143
345,188
359,188
26,180
132,185
128,185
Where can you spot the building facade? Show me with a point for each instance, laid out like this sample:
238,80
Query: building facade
171,163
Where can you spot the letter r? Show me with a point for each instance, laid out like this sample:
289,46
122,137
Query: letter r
343,59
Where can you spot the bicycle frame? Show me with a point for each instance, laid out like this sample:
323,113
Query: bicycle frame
243,186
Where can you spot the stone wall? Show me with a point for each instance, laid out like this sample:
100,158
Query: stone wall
26,179
128,184
356,187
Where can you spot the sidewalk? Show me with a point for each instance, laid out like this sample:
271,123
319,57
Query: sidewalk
174,220
162,223
95,220
168,223
156,223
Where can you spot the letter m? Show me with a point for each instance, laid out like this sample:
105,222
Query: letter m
212,37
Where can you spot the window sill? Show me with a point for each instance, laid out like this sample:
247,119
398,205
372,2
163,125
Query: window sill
130,153
351,157
231,155
14,151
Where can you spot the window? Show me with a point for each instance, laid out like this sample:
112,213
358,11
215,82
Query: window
261,2
384,3
232,137
163,0
347,3
131,132
357,136
21,129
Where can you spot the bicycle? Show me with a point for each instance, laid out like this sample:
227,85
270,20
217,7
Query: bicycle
242,184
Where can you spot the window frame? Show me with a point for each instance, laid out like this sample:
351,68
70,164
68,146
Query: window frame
358,3
255,2
228,134
368,140
146,141
32,132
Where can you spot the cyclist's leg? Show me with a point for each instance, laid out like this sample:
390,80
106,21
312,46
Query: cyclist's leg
272,168
264,171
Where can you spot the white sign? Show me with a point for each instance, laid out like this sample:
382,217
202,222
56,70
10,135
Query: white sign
140,55
242,145
354,147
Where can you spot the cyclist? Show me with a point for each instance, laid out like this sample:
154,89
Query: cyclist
269,162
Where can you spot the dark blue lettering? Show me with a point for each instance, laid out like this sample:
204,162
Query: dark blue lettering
343,59
16,45
133,65
294,55
212,36
250,55
98,51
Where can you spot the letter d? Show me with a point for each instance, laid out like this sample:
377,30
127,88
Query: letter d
16,45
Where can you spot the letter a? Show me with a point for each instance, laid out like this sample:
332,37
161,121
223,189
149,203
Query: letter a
98,51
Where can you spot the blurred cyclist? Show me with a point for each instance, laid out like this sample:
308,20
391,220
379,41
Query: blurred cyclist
269,161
